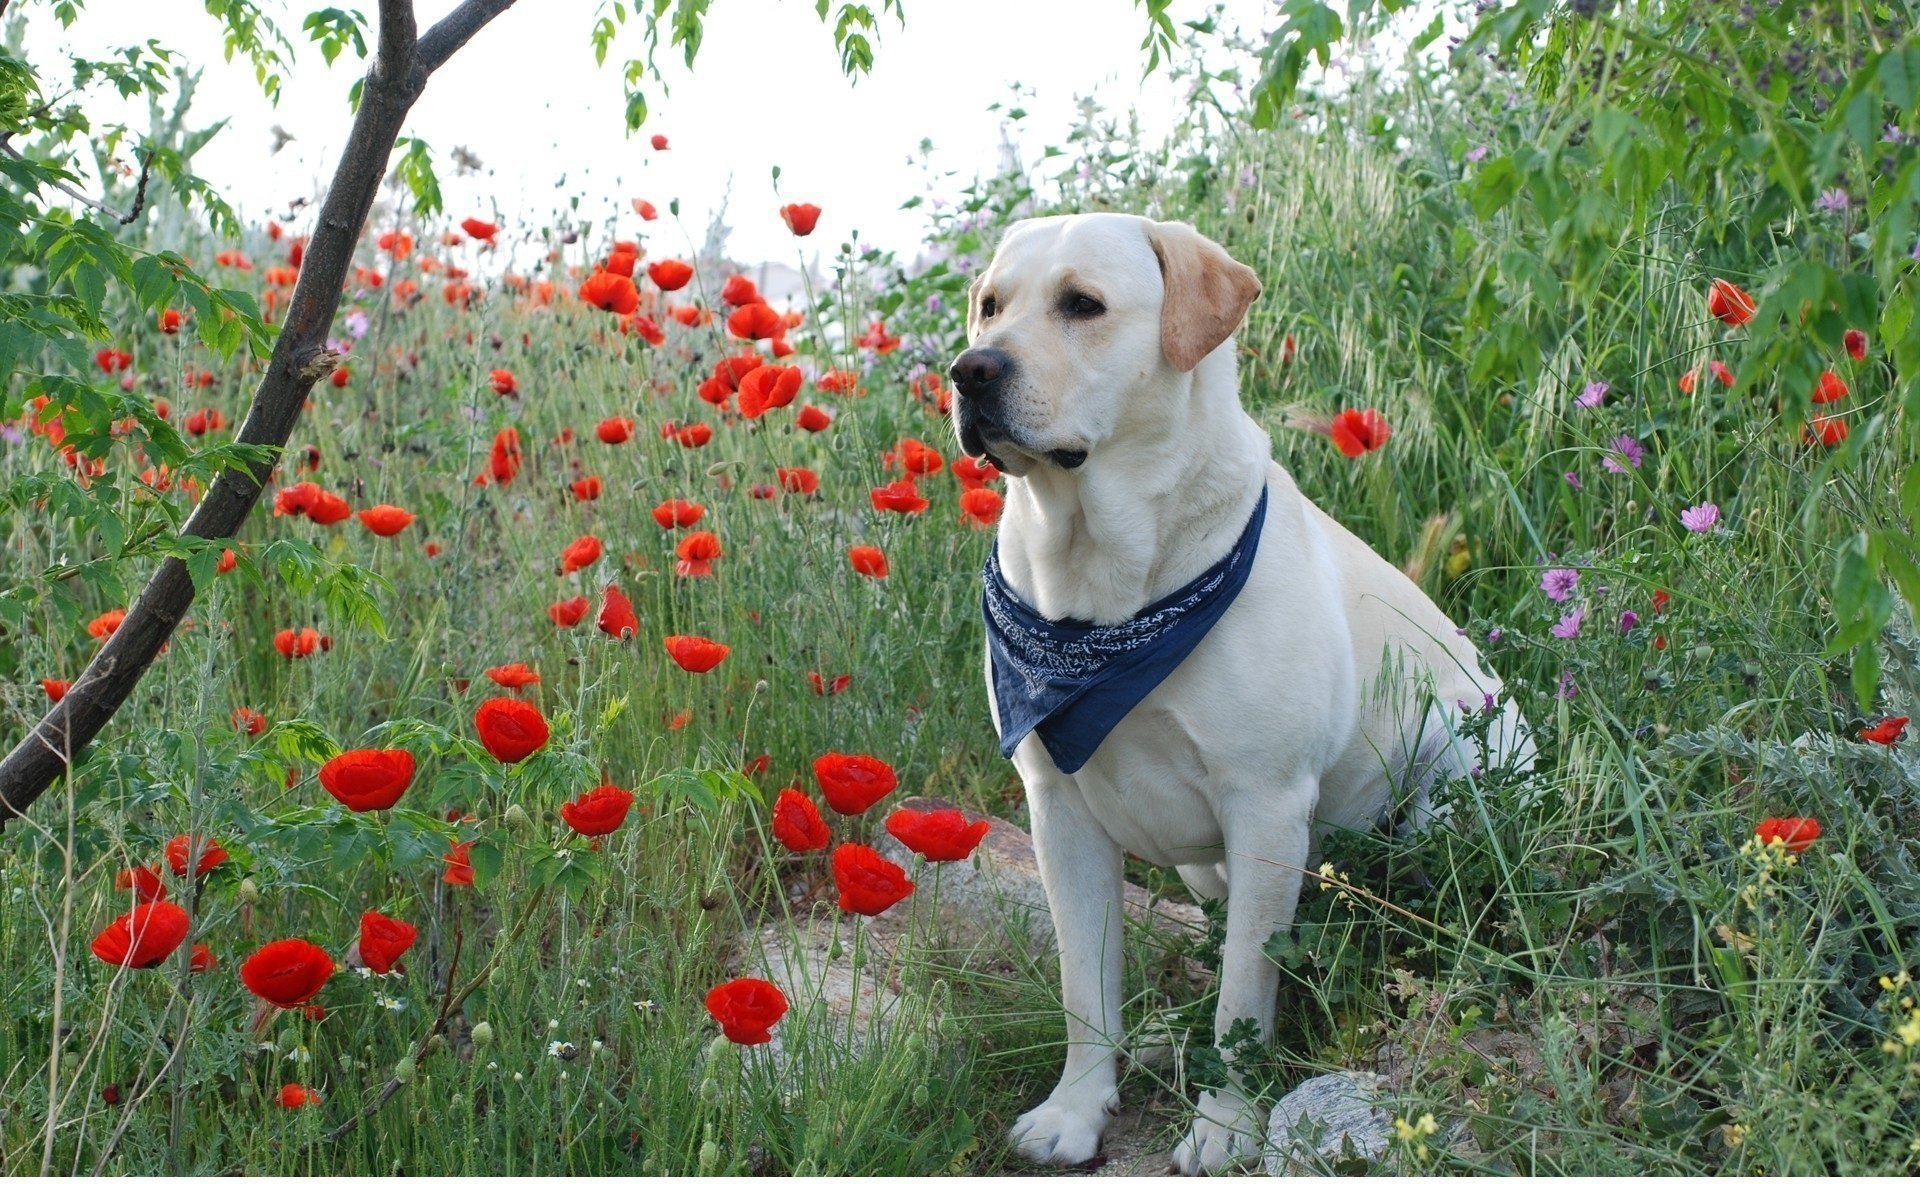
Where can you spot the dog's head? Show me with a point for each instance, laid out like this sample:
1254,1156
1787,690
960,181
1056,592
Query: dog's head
1078,326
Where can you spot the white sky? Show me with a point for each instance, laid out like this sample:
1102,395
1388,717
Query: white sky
527,99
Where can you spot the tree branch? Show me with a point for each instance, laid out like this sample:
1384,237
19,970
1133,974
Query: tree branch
300,357
456,29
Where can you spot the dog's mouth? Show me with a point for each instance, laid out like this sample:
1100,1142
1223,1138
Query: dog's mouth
978,435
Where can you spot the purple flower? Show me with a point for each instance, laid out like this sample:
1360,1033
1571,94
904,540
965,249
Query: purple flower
1476,154
1628,449
1700,518
1834,200
1628,619
1593,395
1568,689
1559,583
935,304
1573,480
1493,635
1568,627
356,323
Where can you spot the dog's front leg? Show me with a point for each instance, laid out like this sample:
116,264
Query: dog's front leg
1080,867
1266,848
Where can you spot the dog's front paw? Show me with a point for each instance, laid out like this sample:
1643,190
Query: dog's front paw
1066,1129
1224,1133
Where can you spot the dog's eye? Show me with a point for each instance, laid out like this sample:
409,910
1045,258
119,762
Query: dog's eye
988,307
1082,305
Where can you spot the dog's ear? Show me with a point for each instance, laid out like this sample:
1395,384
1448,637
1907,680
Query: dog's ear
973,304
1207,292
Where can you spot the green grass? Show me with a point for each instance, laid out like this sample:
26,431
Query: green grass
1585,972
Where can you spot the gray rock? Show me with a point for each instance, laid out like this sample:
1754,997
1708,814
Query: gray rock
1325,1120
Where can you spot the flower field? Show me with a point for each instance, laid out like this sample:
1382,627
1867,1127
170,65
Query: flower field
603,612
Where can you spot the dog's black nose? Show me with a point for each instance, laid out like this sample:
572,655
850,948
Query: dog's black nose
978,370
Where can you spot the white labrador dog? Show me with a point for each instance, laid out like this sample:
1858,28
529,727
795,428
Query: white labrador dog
1101,378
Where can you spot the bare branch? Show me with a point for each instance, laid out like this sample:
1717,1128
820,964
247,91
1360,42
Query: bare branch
456,29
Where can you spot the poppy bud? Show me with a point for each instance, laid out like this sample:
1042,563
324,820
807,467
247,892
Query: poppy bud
290,1038
403,1070
249,891
482,1033
516,818
709,1155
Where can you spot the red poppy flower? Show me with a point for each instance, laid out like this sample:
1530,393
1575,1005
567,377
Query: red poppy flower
677,513
801,218
812,419
797,823
899,496
476,228
385,520
1661,598
143,881
868,561
287,973
368,780
799,480
822,686
695,654
510,729
1886,732
103,625
1360,431
974,472
853,783
691,436
1856,343
767,388
1719,371
943,835
659,141
614,430
297,1095
696,553
515,675
915,457
1830,388
670,274
1796,833
617,618
587,488
459,870
383,940
583,551
644,209
568,613
1825,431
981,505
599,812
56,689
200,960
755,320
299,643
143,938
610,293
170,321
504,462
341,377
621,262
738,289
869,885
212,854
747,1010
840,383
1730,303
877,339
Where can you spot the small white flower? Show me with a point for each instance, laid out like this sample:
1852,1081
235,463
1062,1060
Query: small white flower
581,982
561,1049
553,1022
391,1003
493,1066
299,1054
519,1078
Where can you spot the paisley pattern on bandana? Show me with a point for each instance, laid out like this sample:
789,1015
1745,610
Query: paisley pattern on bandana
1073,681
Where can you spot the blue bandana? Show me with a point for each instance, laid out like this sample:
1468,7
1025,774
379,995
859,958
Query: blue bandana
1073,681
